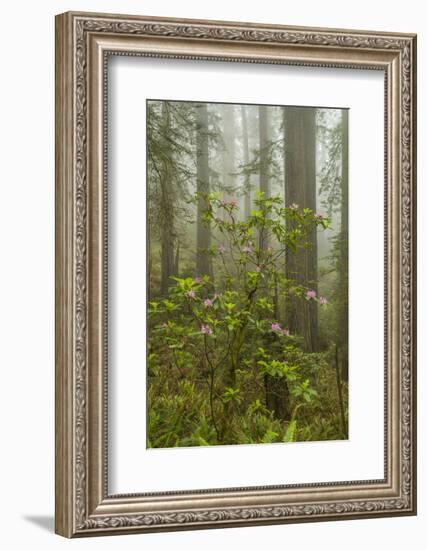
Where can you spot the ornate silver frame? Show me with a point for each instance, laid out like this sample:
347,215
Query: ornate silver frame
83,42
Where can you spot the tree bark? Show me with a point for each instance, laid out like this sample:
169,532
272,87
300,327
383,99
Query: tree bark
203,259
276,389
277,397
167,214
343,267
300,189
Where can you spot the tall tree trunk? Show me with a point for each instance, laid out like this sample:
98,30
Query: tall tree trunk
203,259
229,154
343,267
276,389
300,189
247,179
167,214
264,180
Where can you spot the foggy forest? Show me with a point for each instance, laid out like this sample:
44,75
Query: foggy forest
247,274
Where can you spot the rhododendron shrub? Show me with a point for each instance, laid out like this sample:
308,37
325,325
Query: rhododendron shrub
220,347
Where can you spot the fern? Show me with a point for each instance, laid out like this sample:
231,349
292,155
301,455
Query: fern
291,432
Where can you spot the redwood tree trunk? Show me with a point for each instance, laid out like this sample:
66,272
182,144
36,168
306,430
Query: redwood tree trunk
300,189
276,389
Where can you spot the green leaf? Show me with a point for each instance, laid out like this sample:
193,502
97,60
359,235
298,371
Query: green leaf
269,436
231,394
290,432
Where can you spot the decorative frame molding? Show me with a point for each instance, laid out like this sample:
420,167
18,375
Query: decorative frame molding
83,43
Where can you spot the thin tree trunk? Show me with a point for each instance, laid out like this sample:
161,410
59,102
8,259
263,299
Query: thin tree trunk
247,180
167,237
264,181
229,153
150,265
343,267
300,189
176,264
203,259
339,393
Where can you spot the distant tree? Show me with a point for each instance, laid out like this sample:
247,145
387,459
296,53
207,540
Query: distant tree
203,259
333,132
167,206
264,156
229,172
171,170
342,324
246,160
161,158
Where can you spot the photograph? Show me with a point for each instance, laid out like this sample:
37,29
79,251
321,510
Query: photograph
247,273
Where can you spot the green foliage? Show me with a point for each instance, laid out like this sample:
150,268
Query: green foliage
215,343
291,431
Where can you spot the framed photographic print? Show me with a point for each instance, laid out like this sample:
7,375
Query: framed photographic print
235,274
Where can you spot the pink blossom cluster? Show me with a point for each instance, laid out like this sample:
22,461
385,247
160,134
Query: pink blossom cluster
206,329
311,294
228,202
275,327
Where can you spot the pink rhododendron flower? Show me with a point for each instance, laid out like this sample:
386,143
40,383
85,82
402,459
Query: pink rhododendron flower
205,329
208,303
311,294
285,332
164,325
275,327
225,202
258,269
322,300
221,249
190,294
198,280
